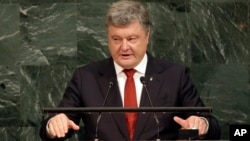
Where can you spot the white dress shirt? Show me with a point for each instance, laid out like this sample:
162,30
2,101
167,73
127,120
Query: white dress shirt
121,78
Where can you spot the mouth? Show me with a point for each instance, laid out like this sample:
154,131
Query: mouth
126,55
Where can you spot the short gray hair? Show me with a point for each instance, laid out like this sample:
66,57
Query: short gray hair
127,11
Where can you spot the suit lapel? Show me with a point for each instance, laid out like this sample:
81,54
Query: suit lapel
107,75
153,83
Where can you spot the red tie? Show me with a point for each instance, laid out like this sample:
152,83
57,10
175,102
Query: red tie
130,101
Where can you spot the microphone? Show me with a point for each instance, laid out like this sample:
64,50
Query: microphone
103,104
143,81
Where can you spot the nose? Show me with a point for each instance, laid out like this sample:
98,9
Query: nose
124,45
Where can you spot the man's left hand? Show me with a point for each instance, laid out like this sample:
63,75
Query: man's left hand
193,122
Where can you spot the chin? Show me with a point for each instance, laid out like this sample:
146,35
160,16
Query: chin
126,64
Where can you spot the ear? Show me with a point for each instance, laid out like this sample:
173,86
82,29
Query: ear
148,32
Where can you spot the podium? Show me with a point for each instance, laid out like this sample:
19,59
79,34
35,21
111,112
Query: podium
92,110
187,134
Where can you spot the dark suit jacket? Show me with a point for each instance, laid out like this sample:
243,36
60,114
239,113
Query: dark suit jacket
170,85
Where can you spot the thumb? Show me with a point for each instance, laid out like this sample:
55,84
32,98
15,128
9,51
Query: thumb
72,125
183,123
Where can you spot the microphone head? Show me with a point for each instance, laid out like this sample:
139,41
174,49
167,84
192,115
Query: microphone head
143,80
111,82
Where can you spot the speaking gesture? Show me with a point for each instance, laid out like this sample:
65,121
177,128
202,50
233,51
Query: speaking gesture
193,122
59,125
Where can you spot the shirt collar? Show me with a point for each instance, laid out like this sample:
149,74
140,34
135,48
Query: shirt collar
141,67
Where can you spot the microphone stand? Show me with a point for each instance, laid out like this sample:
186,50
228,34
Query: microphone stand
100,113
151,104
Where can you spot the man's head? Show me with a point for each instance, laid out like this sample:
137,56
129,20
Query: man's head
128,29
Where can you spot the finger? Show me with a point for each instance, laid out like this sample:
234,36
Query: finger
203,127
53,126
59,129
183,123
197,123
51,131
72,125
63,124
60,125
193,122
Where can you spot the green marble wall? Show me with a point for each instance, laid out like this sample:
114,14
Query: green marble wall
42,42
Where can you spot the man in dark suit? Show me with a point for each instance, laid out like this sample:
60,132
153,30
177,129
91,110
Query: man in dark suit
168,85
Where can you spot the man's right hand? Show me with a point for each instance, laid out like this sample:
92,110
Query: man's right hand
59,125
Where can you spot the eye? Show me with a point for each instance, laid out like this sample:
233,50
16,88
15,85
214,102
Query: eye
115,38
132,39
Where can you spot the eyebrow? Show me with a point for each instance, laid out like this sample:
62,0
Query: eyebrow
133,35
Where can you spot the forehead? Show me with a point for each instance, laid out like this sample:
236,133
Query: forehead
132,28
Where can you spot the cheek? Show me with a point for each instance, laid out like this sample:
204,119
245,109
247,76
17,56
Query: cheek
113,49
143,47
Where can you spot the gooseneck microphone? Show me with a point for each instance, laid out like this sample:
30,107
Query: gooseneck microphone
143,81
111,83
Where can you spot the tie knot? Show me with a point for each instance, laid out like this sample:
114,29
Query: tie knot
129,72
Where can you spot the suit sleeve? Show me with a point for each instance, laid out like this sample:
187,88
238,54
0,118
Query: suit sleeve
190,97
71,98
